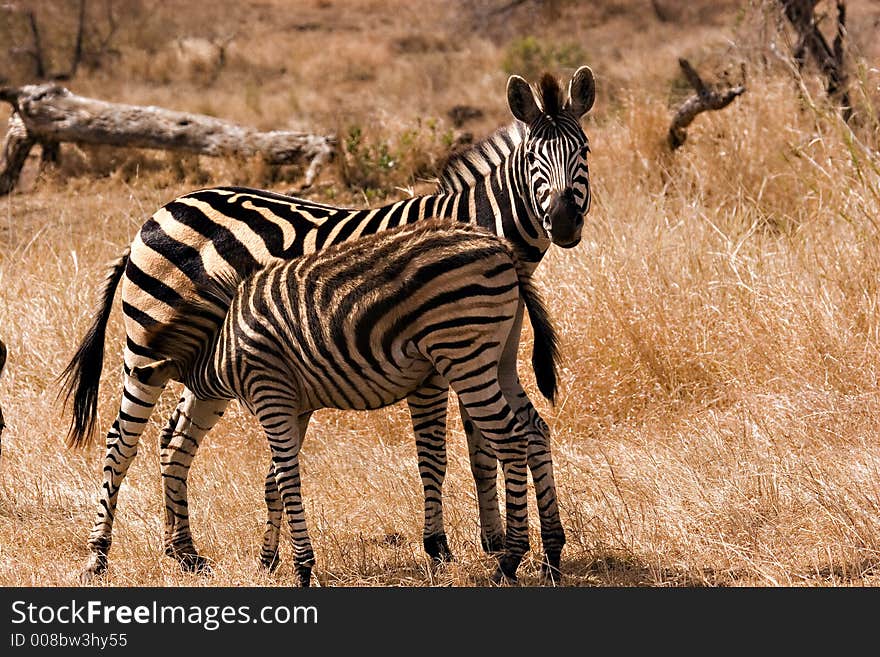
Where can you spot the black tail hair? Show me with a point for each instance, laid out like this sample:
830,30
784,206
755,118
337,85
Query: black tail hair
545,350
82,375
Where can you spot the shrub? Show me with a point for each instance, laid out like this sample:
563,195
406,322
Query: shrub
530,57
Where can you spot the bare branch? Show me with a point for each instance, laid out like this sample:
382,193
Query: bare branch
37,53
693,78
16,146
78,46
706,99
830,60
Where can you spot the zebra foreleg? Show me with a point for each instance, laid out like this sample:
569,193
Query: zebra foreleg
190,421
137,404
275,510
427,407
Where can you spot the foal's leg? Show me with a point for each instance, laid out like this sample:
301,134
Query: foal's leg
282,432
506,436
541,466
427,407
190,421
271,537
484,465
473,375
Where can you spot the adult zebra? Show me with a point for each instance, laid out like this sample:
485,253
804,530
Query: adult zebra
359,325
528,182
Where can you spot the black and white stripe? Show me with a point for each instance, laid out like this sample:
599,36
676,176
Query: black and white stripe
527,182
361,325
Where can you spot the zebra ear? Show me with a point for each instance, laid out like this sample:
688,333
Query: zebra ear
521,100
581,91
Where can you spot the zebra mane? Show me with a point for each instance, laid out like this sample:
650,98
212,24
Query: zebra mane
551,95
480,159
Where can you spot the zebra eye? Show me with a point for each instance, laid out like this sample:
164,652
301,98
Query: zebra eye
584,150
531,158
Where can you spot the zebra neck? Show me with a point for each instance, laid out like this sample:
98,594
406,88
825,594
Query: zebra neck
489,185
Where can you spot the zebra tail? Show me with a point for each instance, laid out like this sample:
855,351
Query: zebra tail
82,375
545,350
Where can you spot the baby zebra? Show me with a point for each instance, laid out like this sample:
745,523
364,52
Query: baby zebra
361,325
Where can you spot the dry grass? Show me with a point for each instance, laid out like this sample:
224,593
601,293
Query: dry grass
720,327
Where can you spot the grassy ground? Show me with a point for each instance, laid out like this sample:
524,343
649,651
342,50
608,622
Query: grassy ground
720,321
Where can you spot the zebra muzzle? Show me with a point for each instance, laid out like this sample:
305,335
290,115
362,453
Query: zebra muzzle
564,220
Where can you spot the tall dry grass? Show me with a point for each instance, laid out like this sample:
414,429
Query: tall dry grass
719,321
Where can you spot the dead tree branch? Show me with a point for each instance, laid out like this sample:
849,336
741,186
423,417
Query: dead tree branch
705,99
829,59
35,52
51,113
78,44
16,146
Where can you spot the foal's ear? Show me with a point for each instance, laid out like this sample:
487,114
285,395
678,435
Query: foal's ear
581,91
156,374
521,100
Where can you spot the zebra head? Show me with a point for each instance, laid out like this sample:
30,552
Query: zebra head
555,150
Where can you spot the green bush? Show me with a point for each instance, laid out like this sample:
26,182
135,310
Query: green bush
377,163
530,57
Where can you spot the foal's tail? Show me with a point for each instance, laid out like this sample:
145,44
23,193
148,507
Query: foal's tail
545,350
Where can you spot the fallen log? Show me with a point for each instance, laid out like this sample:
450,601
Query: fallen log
705,99
49,113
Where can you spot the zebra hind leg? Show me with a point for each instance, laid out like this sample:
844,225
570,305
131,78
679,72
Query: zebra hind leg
541,466
427,407
138,401
191,420
487,407
281,427
484,467
484,464
275,510
539,458
506,436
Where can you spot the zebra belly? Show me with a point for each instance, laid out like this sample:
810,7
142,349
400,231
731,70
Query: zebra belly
366,387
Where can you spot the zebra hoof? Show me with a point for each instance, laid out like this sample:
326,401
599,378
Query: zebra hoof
437,547
195,563
304,575
96,567
501,578
492,544
270,563
506,572
551,575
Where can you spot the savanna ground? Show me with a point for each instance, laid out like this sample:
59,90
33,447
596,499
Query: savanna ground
720,321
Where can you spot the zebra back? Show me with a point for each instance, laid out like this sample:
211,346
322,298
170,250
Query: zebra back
437,243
